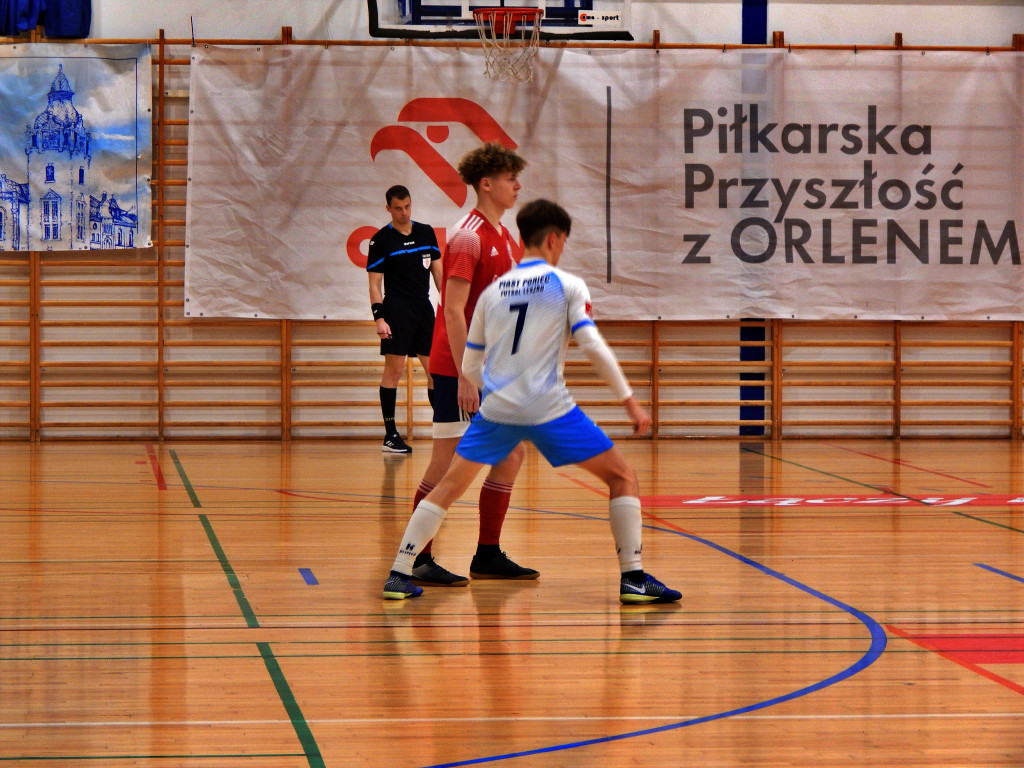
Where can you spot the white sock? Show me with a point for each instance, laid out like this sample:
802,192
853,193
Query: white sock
627,528
423,526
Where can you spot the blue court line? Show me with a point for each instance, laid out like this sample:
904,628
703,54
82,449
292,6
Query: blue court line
1001,573
308,576
878,643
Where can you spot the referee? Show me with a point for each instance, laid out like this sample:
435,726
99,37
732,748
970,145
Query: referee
402,258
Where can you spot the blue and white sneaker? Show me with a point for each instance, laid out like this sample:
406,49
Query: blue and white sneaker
399,586
650,590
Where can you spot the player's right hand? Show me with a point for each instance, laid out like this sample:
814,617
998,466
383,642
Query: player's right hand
469,396
383,329
641,419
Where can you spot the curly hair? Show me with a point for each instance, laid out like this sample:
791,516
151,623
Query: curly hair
488,160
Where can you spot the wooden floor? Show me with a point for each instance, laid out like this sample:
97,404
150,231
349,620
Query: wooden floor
845,603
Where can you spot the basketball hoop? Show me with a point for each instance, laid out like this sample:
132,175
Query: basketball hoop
510,37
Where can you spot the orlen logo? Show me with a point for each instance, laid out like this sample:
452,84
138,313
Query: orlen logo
430,161
436,112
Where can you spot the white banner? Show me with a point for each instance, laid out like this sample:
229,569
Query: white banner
703,184
75,147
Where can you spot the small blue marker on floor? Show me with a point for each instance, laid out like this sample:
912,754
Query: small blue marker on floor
308,576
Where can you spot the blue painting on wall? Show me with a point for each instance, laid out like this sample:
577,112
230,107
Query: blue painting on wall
75,147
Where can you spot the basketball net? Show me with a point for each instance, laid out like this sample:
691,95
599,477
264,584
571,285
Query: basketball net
510,38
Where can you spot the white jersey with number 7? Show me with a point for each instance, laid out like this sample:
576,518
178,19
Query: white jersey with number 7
523,322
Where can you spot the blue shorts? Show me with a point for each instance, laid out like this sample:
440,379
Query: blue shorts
569,439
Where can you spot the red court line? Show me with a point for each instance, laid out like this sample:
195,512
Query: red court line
154,463
582,484
979,648
648,515
908,465
958,657
835,500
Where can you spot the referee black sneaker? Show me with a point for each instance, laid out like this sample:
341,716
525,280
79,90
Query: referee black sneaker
394,443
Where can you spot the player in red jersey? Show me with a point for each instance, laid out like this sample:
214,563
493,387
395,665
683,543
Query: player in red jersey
479,251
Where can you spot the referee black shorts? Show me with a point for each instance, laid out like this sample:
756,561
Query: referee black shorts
411,333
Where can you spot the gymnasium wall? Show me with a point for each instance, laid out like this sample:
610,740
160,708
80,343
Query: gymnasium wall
943,22
96,345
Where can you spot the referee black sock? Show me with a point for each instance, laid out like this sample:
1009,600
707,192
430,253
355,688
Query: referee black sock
388,396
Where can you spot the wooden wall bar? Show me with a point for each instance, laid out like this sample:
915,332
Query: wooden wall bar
96,345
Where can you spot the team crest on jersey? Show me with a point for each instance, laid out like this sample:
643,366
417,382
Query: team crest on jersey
590,310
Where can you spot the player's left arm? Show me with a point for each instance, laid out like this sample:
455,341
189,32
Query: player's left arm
462,258
600,355
456,296
473,358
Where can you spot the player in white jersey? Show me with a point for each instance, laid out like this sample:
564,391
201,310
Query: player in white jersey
515,353
523,381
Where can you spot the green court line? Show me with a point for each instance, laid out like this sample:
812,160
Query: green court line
236,587
309,745
885,490
985,520
184,480
291,706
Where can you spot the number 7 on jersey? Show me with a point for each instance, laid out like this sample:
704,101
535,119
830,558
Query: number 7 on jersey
520,322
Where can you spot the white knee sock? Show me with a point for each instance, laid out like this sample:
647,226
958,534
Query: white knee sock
627,528
423,526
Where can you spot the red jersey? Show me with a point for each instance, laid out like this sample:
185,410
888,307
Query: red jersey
476,252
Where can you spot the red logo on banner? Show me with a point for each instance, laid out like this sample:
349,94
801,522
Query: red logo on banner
439,114
434,111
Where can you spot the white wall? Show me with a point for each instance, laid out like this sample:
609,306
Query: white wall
940,22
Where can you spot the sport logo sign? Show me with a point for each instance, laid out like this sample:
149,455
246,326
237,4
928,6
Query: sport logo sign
599,19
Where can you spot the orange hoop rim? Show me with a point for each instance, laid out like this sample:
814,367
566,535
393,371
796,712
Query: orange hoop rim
506,19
